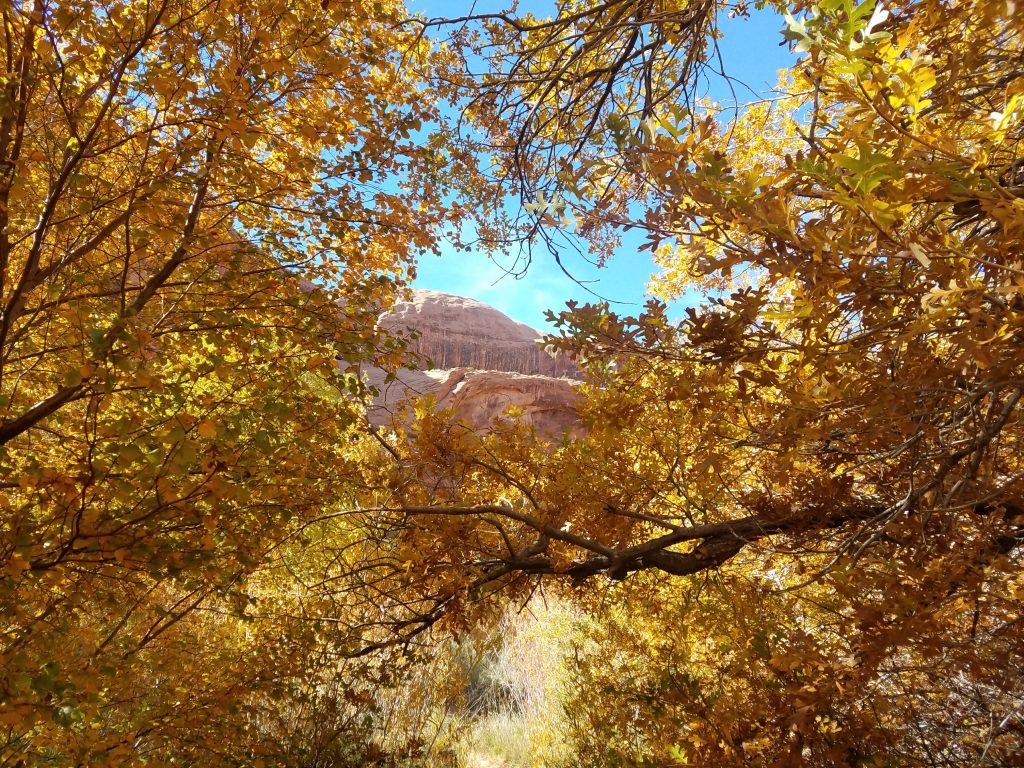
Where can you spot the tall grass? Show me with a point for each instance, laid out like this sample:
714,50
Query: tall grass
513,714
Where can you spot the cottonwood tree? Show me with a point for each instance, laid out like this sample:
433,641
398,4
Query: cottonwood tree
810,486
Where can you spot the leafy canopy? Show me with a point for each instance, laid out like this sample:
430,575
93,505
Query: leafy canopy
811,484
794,514
203,205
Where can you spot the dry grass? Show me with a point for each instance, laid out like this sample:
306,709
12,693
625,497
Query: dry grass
514,715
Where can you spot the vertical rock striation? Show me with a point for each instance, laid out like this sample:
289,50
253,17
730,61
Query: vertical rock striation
456,332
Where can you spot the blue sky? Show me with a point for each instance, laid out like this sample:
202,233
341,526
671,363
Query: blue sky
751,53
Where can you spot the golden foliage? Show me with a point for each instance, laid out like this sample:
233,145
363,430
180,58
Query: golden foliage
794,513
815,476
187,190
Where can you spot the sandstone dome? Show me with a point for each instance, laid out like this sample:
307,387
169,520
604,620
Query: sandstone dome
457,332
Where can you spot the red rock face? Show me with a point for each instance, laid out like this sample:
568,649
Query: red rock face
456,332
481,363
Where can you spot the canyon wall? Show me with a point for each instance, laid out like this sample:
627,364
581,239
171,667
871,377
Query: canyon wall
456,332
478,362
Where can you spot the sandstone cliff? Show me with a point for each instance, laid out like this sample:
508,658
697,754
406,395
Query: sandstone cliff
480,361
456,332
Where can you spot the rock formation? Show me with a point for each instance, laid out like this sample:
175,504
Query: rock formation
478,362
456,332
